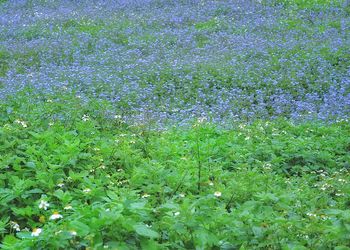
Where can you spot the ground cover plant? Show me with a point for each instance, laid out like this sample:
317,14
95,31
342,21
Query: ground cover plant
153,124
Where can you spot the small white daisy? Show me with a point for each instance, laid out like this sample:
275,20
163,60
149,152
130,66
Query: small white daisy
36,232
73,233
56,216
44,205
217,194
87,190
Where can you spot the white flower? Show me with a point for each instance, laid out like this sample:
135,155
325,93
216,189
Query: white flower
73,233
44,205
87,190
68,207
56,216
60,185
217,194
36,232
211,184
181,195
51,124
145,195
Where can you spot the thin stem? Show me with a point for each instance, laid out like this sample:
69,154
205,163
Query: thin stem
180,183
199,166
227,207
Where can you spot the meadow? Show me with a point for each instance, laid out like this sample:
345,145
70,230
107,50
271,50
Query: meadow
156,124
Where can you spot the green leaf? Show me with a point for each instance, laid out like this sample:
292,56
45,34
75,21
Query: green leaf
81,228
3,223
143,230
9,240
149,245
30,164
342,248
137,205
24,235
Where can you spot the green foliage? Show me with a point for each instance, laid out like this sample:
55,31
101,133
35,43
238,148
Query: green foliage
305,4
263,185
4,65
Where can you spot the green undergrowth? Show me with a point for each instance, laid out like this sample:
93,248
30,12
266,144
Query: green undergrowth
306,4
269,185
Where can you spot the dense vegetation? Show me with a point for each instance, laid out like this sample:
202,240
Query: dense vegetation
153,124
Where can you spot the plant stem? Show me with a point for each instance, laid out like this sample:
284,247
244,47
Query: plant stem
199,166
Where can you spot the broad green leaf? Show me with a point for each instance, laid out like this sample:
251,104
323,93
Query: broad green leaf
143,230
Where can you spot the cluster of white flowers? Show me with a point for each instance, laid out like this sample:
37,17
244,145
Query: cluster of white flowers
85,118
22,123
312,215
